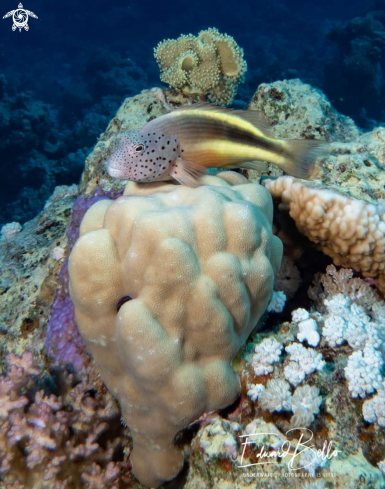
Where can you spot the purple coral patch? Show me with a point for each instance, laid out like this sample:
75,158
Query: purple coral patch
62,339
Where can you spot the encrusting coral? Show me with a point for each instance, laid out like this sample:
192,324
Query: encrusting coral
164,305
211,63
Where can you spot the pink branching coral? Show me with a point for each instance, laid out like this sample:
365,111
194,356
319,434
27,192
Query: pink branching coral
56,440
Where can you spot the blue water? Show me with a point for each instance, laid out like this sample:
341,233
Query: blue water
62,81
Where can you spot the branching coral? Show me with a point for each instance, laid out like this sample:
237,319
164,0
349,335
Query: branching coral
168,283
266,353
56,441
211,63
304,403
303,361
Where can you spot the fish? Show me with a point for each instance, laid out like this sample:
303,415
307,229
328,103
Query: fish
185,143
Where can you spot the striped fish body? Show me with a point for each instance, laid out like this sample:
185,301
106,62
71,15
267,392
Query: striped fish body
192,139
220,138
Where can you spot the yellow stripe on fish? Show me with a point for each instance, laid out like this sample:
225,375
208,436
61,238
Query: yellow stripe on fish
184,143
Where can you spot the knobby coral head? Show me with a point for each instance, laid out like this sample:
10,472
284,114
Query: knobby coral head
199,265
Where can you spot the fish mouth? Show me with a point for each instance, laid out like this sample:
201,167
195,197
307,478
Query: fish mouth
116,173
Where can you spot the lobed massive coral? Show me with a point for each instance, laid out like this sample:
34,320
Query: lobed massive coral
211,63
168,283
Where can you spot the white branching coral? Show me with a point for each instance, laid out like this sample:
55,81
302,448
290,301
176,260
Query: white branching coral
363,371
374,409
303,361
347,321
266,353
305,403
276,396
308,330
255,390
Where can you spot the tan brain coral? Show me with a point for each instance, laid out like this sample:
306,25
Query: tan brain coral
211,63
199,265
349,230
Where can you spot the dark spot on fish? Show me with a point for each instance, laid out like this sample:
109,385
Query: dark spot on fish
153,151
168,142
162,135
154,133
149,134
162,147
169,161
163,168
164,159
174,149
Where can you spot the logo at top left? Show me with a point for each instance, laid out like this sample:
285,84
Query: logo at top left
20,17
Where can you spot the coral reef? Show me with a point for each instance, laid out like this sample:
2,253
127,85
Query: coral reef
347,186
211,63
49,407
136,263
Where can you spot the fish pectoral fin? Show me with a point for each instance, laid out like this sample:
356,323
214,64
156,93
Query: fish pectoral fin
187,172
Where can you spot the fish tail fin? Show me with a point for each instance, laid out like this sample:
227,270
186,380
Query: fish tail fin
300,156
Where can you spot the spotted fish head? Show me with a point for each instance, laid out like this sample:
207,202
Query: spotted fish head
142,157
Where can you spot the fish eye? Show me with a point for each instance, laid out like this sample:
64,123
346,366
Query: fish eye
139,148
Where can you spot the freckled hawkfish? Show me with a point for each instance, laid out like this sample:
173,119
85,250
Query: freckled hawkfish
182,145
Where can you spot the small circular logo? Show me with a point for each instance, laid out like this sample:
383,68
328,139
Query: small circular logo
20,19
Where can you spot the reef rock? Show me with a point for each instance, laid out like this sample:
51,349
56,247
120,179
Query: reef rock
342,210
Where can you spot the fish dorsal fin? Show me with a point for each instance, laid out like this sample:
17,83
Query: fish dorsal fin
255,117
